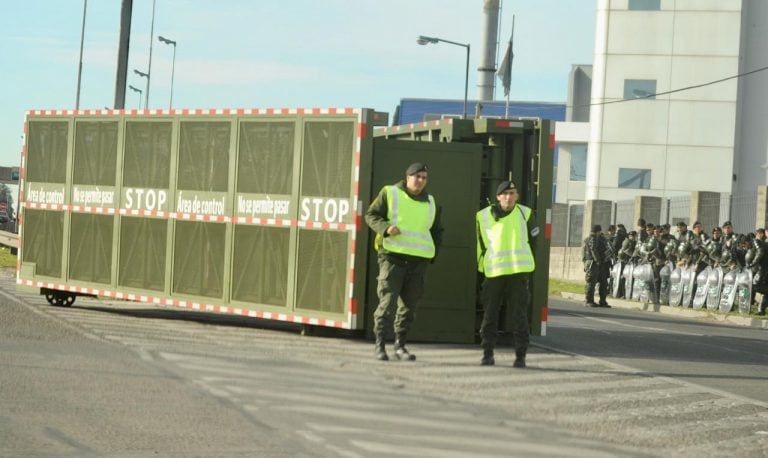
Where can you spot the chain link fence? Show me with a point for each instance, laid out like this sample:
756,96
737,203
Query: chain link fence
714,209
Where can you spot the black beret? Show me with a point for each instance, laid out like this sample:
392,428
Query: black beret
727,223
503,186
597,228
681,224
415,168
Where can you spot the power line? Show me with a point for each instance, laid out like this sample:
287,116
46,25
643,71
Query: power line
550,105
687,88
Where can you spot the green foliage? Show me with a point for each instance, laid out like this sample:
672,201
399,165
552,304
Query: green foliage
559,286
6,258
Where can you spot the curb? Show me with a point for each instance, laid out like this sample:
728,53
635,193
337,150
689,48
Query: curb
680,312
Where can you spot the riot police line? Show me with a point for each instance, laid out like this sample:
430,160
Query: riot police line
720,271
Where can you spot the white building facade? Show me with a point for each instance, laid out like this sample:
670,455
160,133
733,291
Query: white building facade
669,114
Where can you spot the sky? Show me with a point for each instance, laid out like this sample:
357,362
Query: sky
277,53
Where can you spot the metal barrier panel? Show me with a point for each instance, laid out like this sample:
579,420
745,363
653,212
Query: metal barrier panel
90,250
42,242
95,153
321,271
260,272
198,261
259,209
46,152
143,245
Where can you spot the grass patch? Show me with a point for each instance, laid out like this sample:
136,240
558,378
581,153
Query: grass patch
559,286
6,258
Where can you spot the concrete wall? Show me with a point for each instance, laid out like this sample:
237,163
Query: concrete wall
565,263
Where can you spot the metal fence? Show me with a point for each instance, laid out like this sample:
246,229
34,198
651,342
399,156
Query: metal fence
743,212
624,213
740,209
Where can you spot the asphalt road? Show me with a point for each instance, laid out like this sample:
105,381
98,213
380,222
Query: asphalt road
127,379
121,378
66,392
733,359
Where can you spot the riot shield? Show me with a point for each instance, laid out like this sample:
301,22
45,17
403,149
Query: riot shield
728,294
665,274
744,291
714,285
676,287
628,279
702,280
638,285
616,279
644,275
689,279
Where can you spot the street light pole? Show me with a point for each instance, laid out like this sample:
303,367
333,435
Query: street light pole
135,89
424,40
144,75
80,64
149,67
173,64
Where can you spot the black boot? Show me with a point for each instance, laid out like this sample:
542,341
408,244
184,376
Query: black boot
519,359
487,358
379,350
401,352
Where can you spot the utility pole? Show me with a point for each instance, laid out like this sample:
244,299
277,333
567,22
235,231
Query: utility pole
122,54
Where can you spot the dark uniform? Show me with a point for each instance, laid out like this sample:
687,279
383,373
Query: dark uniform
760,266
505,258
714,248
401,275
597,264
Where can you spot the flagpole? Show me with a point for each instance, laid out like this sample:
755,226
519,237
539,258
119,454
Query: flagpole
511,54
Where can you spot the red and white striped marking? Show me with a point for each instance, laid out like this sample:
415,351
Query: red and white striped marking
200,112
544,318
361,133
189,305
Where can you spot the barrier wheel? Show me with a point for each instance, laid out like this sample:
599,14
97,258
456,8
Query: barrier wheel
59,299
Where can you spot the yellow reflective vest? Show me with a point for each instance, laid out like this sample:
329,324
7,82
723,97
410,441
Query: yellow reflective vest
414,218
502,246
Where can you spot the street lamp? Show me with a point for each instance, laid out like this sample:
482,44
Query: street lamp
173,63
424,40
135,89
80,64
144,75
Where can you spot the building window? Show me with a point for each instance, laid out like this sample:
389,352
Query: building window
578,162
635,178
639,89
644,5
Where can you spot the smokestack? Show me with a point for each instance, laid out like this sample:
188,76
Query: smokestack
487,69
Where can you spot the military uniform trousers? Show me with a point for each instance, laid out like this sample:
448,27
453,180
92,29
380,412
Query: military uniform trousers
512,290
400,287
596,273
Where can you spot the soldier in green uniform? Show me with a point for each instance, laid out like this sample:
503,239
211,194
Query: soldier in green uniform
756,262
597,263
408,233
641,233
714,247
504,256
